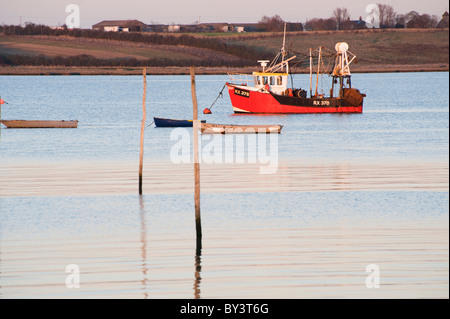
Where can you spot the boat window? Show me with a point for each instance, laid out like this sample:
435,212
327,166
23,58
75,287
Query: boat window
280,80
265,80
258,80
272,80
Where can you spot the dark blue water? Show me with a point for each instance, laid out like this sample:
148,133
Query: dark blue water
350,190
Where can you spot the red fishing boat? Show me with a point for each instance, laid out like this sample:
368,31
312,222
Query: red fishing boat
267,91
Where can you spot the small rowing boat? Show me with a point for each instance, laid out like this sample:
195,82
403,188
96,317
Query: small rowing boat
39,124
163,122
209,128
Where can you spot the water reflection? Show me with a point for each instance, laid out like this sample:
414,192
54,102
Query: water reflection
96,179
144,246
315,245
198,270
146,282
1,293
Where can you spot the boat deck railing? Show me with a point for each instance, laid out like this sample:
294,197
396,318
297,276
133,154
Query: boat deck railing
242,79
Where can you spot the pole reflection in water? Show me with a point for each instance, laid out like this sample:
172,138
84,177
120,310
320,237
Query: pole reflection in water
198,270
144,246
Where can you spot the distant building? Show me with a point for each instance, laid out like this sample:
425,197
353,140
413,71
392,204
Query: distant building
227,28
444,21
174,28
253,27
357,24
218,27
138,26
158,28
214,27
121,26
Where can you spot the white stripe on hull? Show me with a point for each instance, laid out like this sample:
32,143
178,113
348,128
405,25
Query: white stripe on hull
236,109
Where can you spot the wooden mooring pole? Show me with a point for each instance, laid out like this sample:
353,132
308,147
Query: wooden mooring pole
198,223
141,155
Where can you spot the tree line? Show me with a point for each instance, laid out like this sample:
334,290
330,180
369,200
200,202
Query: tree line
381,16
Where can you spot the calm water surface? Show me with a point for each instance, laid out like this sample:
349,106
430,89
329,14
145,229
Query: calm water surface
349,191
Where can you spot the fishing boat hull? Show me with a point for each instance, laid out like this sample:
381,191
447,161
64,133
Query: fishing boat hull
210,128
39,124
247,100
163,122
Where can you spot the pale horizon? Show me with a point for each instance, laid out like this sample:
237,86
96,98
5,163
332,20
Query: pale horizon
53,12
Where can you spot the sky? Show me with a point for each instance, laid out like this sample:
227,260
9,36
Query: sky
53,12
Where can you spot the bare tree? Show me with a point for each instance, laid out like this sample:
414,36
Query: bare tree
386,15
400,21
274,23
341,16
391,17
415,20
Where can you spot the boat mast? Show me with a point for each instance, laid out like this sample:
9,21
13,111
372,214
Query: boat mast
318,70
310,72
282,66
283,51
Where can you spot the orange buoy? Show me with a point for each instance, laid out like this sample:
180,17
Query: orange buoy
207,111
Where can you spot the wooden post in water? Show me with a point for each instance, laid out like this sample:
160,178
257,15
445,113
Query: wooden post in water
198,223
310,72
141,155
0,115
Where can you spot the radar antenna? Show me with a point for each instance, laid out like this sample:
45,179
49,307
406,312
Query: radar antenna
342,65
341,68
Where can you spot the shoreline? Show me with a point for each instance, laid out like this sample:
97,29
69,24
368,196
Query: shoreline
61,70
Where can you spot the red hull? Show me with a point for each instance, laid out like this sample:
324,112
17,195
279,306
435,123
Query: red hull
249,101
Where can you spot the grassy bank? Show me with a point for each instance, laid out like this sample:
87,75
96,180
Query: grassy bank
398,50
59,70
372,47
